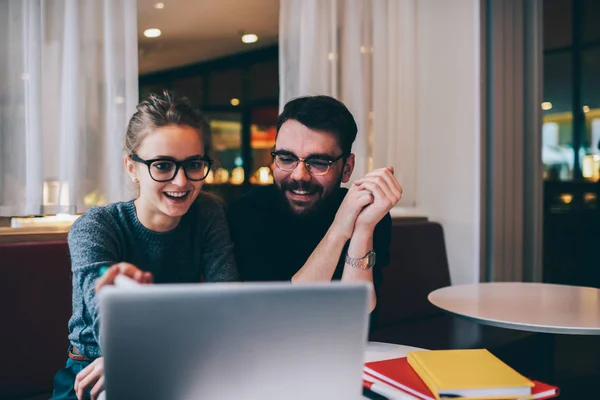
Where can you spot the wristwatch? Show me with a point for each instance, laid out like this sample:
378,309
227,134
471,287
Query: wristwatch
367,262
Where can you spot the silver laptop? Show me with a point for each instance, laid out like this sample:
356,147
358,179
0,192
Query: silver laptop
234,341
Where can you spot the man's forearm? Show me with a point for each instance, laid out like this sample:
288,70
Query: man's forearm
323,261
360,244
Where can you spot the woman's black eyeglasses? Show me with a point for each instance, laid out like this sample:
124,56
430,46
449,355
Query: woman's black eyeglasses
165,169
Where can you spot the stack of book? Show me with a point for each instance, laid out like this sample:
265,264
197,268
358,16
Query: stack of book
445,374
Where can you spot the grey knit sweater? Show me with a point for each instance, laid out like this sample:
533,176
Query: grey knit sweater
198,248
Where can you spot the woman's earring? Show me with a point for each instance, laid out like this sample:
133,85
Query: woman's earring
135,180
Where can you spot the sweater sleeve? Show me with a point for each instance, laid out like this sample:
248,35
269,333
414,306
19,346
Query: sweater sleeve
218,262
92,244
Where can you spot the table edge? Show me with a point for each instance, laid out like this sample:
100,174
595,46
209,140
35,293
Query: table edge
526,328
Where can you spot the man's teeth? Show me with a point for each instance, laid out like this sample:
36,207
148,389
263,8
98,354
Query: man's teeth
297,191
176,194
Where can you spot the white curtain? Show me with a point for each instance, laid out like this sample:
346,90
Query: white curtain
362,52
68,85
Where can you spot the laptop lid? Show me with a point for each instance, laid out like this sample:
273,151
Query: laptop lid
234,341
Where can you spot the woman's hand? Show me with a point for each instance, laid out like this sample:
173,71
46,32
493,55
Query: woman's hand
129,270
91,376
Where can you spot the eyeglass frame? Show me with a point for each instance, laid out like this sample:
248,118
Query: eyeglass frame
178,164
302,159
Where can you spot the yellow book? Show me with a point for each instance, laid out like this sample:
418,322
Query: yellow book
468,374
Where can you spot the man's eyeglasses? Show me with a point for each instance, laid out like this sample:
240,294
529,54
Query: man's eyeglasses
165,169
315,165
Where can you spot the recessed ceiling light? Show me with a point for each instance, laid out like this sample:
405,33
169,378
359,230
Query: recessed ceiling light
152,33
249,38
546,106
159,5
235,102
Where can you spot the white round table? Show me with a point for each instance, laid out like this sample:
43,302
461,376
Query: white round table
534,307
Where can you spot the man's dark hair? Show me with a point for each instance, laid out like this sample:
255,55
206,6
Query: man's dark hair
325,114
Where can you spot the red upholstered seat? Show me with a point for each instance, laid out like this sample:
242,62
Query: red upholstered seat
35,293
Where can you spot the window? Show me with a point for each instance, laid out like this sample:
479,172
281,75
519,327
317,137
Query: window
262,139
557,130
224,86
570,139
590,94
558,29
191,87
571,126
226,129
264,79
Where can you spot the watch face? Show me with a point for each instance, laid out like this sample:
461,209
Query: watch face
367,262
371,259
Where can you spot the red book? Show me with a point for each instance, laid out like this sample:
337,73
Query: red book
398,373
544,391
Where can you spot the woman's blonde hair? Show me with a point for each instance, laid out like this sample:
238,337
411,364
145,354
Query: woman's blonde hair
163,110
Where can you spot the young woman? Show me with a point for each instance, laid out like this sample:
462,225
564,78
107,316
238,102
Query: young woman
171,233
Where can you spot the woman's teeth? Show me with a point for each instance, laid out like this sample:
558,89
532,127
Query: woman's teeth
176,194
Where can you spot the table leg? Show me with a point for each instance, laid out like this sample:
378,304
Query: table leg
548,356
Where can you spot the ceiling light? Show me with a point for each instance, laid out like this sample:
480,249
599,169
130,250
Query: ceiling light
159,5
249,38
235,102
546,106
586,109
152,33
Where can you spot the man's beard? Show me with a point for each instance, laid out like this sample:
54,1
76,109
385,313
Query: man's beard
321,206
